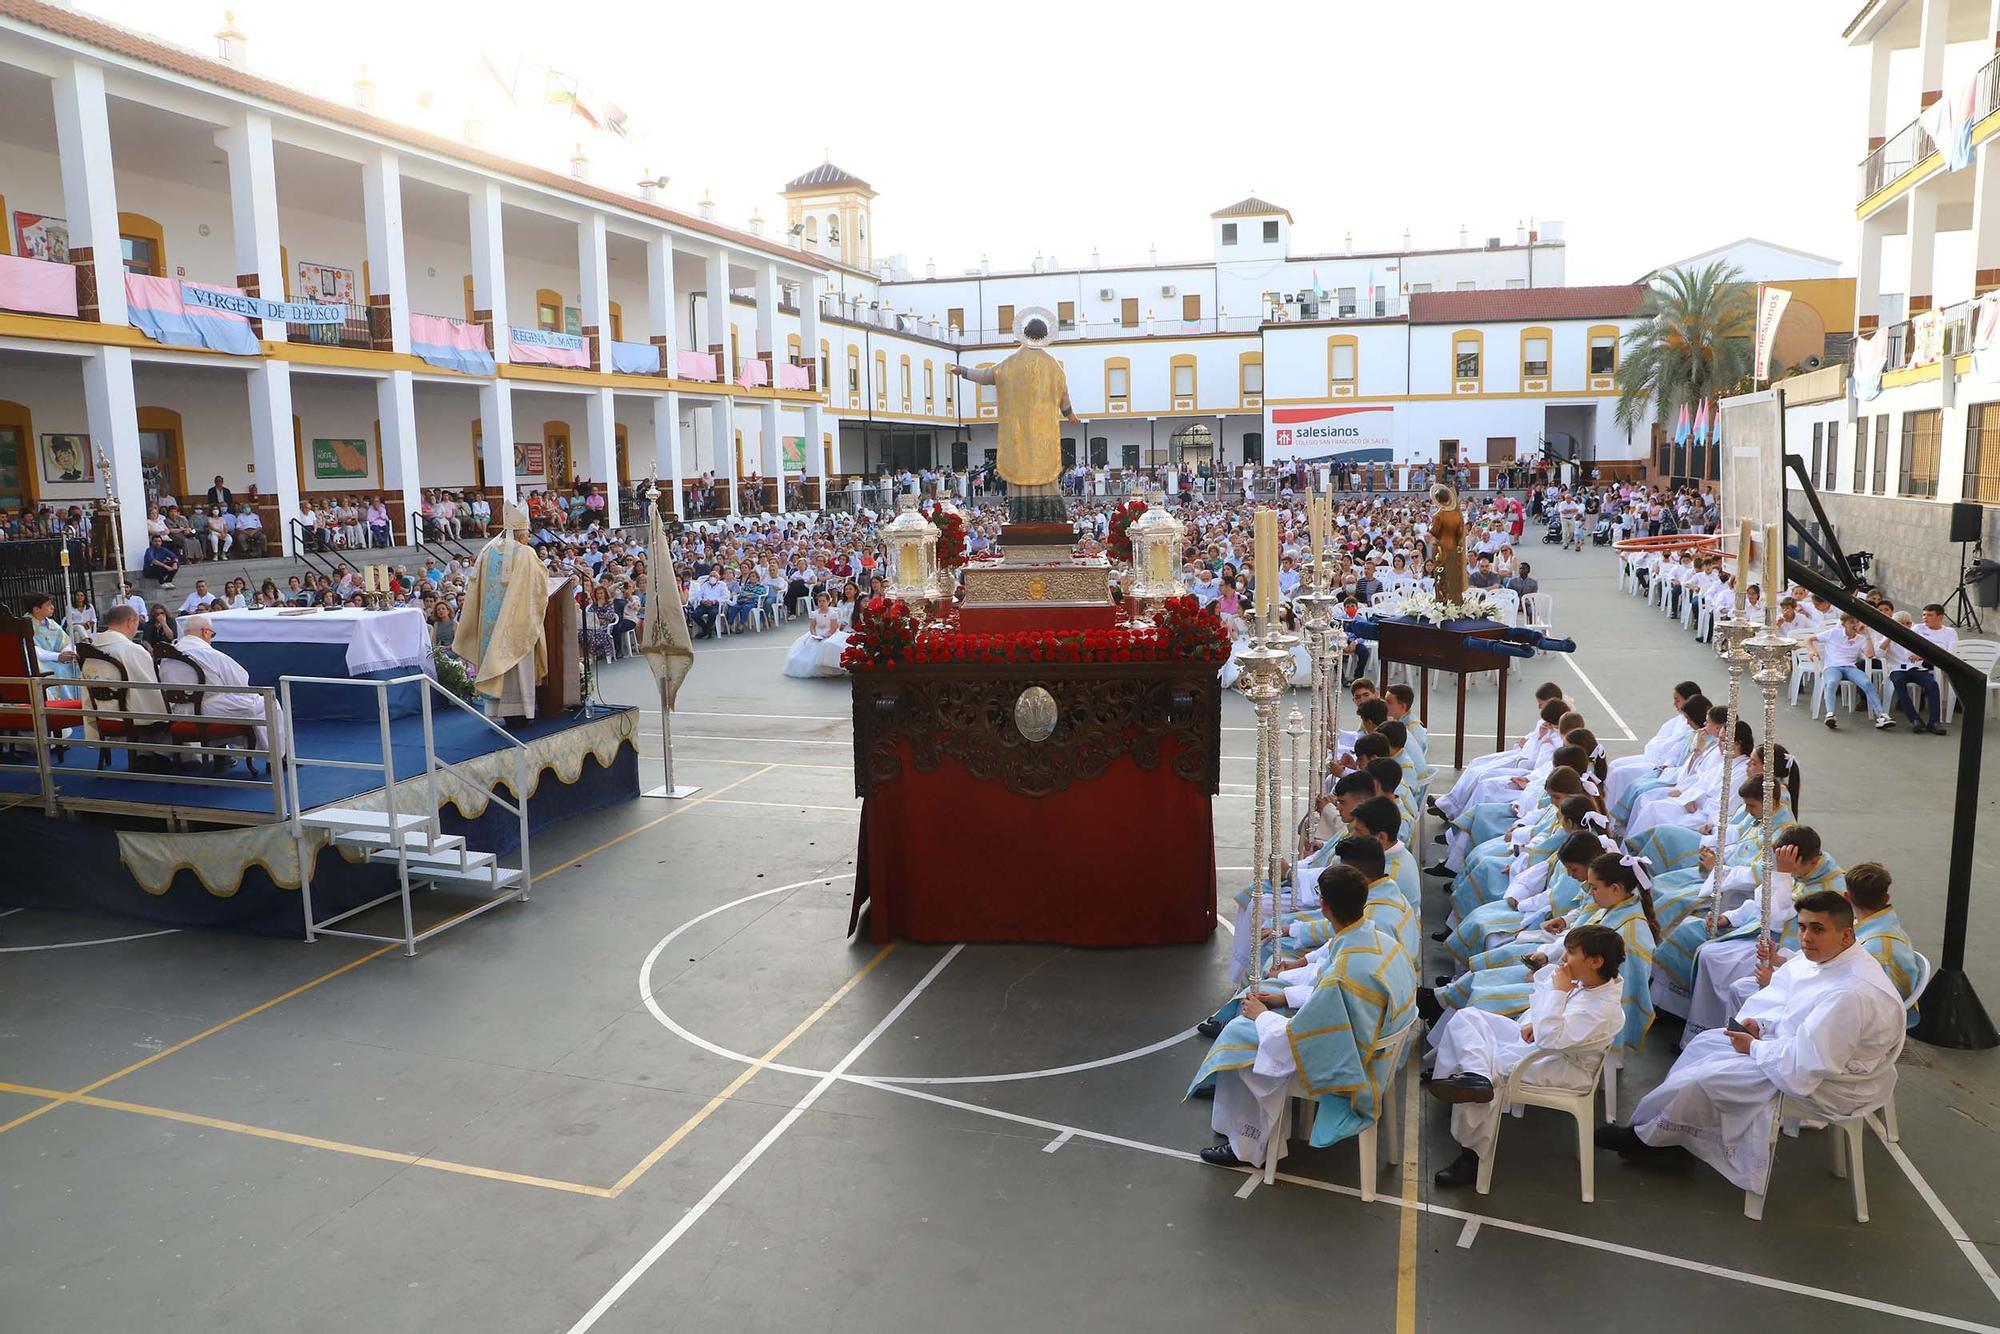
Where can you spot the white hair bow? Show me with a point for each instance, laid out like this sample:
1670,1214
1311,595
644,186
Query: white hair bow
1608,843
1638,863
1590,784
1598,753
1596,820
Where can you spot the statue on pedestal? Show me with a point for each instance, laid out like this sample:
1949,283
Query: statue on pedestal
1033,396
1448,544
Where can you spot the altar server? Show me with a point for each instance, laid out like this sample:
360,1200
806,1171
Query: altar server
1658,751
1329,1045
1573,1016
1825,1030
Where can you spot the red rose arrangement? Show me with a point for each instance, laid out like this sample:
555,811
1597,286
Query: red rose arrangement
887,635
1117,542
951,537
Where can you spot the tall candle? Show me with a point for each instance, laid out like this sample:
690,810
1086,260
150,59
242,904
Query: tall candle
1743,562
1265,531
1774,561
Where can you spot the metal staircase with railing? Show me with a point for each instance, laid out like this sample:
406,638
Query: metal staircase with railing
406,832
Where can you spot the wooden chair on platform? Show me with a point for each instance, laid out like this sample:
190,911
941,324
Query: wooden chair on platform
210,736
106,685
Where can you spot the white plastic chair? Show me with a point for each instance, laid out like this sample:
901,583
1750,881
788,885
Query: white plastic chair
1538,612
1890,1129
1982,654
1396,1046
1503,605
1846,1138
1518,1093
1805,668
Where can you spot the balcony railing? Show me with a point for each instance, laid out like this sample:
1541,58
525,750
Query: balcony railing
1904,149
1929,337
352,332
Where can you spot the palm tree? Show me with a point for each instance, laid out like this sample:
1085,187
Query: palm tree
1692,343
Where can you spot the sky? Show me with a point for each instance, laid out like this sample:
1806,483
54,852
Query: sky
1011,130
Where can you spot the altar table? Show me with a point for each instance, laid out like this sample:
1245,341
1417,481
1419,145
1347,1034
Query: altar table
331,642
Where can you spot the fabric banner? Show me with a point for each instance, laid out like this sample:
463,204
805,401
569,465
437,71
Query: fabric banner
1985,339
635,358
452,345
1771,303
1948,121
664,637
37,286
1926,338
156,309
753,374
1871,355
257,308
542,347
690,365
793,377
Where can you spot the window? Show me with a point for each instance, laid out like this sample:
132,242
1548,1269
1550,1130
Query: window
1183,377
1340,361
987,397
1881,468
1603,353
1827,481
1467,287
906,384
1251,375
825,385
17,439
1128,312
1006,318
882,381
1921,432
1415,288
1345,303
1535,354
1191,308
1818,445
1100,451
1516,283
1128,456
853,376
1118,383
548,310
1465,349
618,323
1860,455
1229,233
1982,453
1271,231
930,389
1069,451
1065,314
142,245
955,319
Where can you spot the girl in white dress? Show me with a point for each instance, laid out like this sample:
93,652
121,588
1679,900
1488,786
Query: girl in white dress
835,644
804,659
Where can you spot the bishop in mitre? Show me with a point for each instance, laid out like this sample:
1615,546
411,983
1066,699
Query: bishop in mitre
1032,396
500,630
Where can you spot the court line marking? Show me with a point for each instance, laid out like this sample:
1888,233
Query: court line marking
570,863
1944,1216
1598,695
750,1072
1057,1142
1406,1238
1463,1215
11,911
756,1151
82,944
1467,1233
790,805
313,1141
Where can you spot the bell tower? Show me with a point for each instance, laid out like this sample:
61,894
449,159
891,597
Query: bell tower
828,210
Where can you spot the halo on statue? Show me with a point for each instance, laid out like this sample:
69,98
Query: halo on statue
1029,315
1443,495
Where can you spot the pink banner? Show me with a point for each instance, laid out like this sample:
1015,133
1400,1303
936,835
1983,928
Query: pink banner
536,347
793,377
37,286
753,375
695,365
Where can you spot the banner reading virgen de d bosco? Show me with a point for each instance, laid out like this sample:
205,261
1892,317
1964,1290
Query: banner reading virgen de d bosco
1358,432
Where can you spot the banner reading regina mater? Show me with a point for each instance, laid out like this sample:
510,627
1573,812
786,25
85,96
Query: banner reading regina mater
1357,432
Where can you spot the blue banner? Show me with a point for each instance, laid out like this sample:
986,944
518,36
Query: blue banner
256,308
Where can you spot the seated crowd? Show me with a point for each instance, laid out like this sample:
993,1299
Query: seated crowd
1579,902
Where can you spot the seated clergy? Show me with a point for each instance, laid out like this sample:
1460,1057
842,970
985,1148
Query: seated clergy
197,641
1362,995
118,639
1574,1015
1824,1030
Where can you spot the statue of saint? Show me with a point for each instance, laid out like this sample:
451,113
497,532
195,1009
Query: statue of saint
1448,544
1033,396
501,626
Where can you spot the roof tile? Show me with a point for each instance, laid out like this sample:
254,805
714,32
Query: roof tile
1526,303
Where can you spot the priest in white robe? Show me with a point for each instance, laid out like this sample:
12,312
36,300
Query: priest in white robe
197,641
1825,1031
501,629
117,638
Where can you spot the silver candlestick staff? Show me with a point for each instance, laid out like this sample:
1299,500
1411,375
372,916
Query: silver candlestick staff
1771,658
1729,636
1263,665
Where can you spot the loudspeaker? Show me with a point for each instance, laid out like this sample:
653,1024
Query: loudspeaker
1967,519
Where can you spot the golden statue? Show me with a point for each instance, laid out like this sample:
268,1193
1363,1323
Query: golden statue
1448,544
1033,396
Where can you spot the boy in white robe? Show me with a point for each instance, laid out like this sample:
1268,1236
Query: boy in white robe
1574,1015
1824,1030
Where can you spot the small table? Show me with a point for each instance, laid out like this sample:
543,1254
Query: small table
344,642
1449,647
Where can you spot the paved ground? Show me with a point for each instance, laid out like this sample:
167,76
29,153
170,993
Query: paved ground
667,1094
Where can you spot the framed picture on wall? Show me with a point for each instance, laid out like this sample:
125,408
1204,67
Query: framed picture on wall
528,459
573,319
327,283
339,460
66,458
39,236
